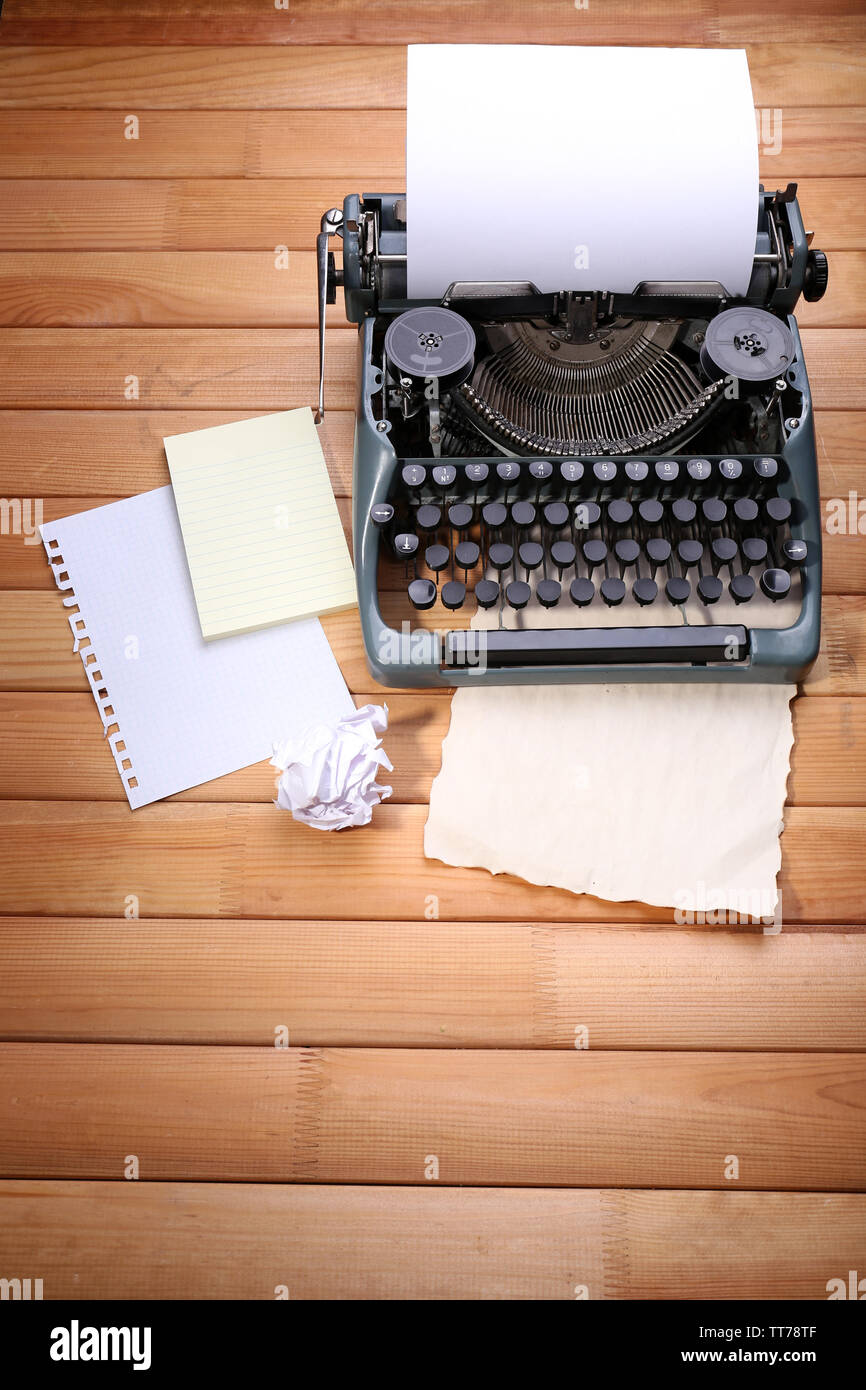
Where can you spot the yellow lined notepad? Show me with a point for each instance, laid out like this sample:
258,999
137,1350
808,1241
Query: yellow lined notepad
262,533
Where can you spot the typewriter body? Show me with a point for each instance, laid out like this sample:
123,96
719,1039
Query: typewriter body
581,487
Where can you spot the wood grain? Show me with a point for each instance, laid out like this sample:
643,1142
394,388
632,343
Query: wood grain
245,1241
371,77
484,21
815,140
226,214
245,860
269,368
241,289
411,984
52,744
118,452
374,1115
36,646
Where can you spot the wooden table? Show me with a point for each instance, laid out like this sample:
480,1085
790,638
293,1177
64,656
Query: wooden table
432,1130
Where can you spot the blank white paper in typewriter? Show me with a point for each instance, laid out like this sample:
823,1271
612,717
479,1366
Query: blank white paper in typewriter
665,794
579,168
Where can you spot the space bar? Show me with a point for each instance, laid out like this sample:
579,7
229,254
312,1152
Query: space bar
588,645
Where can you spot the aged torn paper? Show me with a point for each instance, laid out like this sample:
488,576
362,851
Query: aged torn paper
666,794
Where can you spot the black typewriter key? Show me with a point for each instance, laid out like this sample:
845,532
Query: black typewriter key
586,515
637,471
612,591
466,555
690,553
595,554
494,515
540,470
651,512
724,552
684,511
518,594
460,516
746,510
619,512
406,545
754,550
778,511
445,476
699,470
714,511
794,554
581,592
678,590
658,552
645,591
422,593
487,593
775,584
742,588
709,589
501,556
476,473
414,476
667,471
765,469
382,514
563,555
627,553
556,515
530,555
571,474
548,592
604,472
453,594
508,473
731,470
428,518
436,558
523,515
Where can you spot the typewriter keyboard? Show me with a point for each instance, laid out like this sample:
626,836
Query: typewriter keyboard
660,535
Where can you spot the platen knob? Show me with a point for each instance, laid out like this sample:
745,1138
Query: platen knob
816,276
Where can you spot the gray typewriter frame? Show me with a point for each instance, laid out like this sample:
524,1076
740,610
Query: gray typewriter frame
775,654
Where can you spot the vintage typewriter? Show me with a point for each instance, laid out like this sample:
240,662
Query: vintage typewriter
574,487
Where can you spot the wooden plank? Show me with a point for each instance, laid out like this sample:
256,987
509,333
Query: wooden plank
52,748
36,647
116,452
408,984
245,21
241,289
388,21
246,78
246,369
104,1240
198,214
372,77
375,1115
219,144
184,288
815,140
269,368
244,860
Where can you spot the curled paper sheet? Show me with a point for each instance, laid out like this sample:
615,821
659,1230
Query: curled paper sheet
329,774
666,794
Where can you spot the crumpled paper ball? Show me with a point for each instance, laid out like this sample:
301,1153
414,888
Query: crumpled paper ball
329,774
